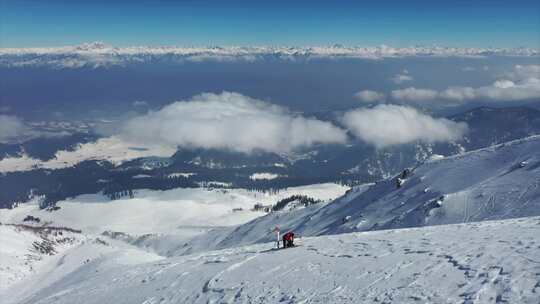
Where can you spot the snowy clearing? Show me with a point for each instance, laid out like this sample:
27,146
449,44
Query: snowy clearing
263,175
112,149
164,211
181,174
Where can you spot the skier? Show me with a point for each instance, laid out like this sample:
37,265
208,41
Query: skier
288,239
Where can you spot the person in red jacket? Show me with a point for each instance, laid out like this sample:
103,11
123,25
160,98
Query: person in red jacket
288,239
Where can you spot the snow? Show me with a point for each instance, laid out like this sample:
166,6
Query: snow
95,55
21,163
79,253
141,176
152,223
486,184
436,157
181,174
13,265
163,211
214,184
112,149
488,262
263,175
461,229
19,256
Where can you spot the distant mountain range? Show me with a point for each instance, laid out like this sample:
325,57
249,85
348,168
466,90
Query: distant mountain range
98,54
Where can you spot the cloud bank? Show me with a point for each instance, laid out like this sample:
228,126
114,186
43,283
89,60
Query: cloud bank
11,128
401,78
369,96
414,94
233,122
522,83
387,125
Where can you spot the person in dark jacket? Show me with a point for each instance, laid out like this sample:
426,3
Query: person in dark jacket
288,239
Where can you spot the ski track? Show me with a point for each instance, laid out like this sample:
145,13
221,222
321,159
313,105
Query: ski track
482,262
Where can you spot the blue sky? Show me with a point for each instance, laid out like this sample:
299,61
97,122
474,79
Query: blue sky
165,22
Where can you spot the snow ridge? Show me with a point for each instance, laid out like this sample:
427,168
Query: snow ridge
498,182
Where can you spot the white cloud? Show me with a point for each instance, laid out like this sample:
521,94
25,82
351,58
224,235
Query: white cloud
414,94
11,128
457,93
520,84
522,72
230,121
140,103
507,90
387,125
369,96
401,78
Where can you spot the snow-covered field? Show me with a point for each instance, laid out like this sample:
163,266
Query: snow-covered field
164,211
487,262
112,149
153,222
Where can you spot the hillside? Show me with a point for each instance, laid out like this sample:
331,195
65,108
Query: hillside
443,264
498,182
467,222
161,221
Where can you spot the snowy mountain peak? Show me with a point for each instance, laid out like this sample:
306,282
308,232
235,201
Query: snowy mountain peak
98,54
91,46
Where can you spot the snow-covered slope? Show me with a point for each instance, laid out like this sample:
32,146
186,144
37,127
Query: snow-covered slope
488,262
27,250
161,221
499,182
158,245
164,211
31,255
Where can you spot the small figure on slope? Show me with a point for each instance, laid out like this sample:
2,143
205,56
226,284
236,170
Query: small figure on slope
288,239
399,182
